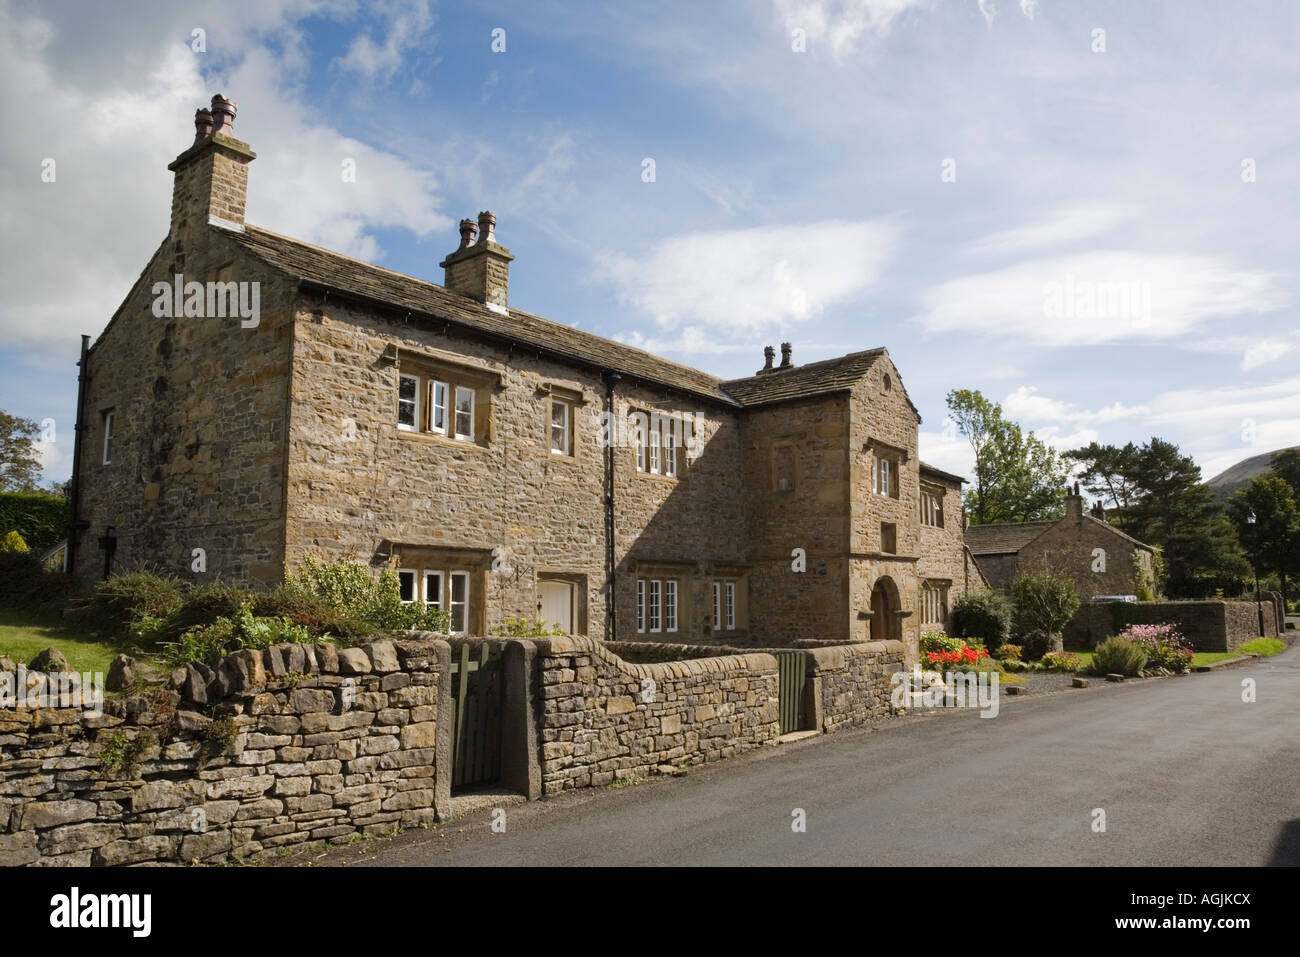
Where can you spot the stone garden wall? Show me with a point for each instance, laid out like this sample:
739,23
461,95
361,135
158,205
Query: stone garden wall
1208,625
601,719
301,743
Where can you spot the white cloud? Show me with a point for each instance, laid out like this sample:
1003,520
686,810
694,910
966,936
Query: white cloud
112,137
1101,297
1027,406
749,278
947,453
842,24
988,10
1029,8
1064,225
408,22
1262,353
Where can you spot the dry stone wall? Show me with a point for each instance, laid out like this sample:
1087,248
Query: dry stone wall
342,744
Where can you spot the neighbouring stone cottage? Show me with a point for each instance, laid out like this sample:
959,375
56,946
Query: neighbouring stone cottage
1101,559
256,399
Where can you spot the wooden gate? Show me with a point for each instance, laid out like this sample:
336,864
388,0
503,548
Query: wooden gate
791,670
475,715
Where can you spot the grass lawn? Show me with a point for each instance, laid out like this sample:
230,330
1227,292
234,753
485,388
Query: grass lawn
22,637
1260,646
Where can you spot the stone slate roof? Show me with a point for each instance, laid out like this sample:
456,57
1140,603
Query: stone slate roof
1008,538
806,381
1003,539
326,270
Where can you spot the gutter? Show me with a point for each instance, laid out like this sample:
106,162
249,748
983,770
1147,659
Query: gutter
612,379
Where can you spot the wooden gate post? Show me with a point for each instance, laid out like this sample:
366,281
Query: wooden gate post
442,743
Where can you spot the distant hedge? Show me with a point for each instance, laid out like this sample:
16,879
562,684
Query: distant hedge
39,517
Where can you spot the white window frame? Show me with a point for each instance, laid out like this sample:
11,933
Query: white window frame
404,574
639,437
884,475
653,444
438,406
442,588
670,604
463,604
717,606
640,605
465,436
655,623
400,400
567,442
106,449
729,589
670,454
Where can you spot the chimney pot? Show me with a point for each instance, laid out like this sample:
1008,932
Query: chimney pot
202,124
768,355
223,115
487,227
468,229
785,355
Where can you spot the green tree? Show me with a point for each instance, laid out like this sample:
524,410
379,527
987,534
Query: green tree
1286,466
1159,499
1272,540
1044,601
1018,477
20,466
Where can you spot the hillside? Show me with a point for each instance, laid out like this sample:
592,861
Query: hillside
1238,476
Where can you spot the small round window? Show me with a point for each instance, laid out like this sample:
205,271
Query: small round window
889,383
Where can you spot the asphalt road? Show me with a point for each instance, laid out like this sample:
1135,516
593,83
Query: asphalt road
1185,771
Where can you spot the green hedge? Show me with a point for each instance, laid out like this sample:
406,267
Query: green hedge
39,517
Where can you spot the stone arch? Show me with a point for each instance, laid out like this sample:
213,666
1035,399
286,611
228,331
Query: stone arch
886,602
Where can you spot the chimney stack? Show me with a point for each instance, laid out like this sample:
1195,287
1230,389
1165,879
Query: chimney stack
479,269
211,182
768,354
785,356
1073,503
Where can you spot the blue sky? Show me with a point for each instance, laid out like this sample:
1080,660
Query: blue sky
1096,229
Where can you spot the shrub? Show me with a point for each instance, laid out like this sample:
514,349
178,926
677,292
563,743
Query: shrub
938,648
305,609
938,641
1044,602
209,643
983,615
13,542
1062,661
40,517
523,628
121,601
357,596
204,604
1163,644
1119,656
21,579
1008,652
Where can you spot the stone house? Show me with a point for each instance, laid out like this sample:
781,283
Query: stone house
257,399
1101,559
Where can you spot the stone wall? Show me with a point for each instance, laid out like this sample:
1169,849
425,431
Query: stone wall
310,744
852,683
601,719
1208,625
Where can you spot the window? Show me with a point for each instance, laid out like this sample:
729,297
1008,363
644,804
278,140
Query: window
724,606
459,602
408,403
437,407
433,589
430,404
561,415
886,478
932,507
406,585
658,446
888,537
934,603
464,413
657,605
109,418
653,614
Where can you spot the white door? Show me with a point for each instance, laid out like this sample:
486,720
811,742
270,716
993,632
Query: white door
555,605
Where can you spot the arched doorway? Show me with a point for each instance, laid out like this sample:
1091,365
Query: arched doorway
884,608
